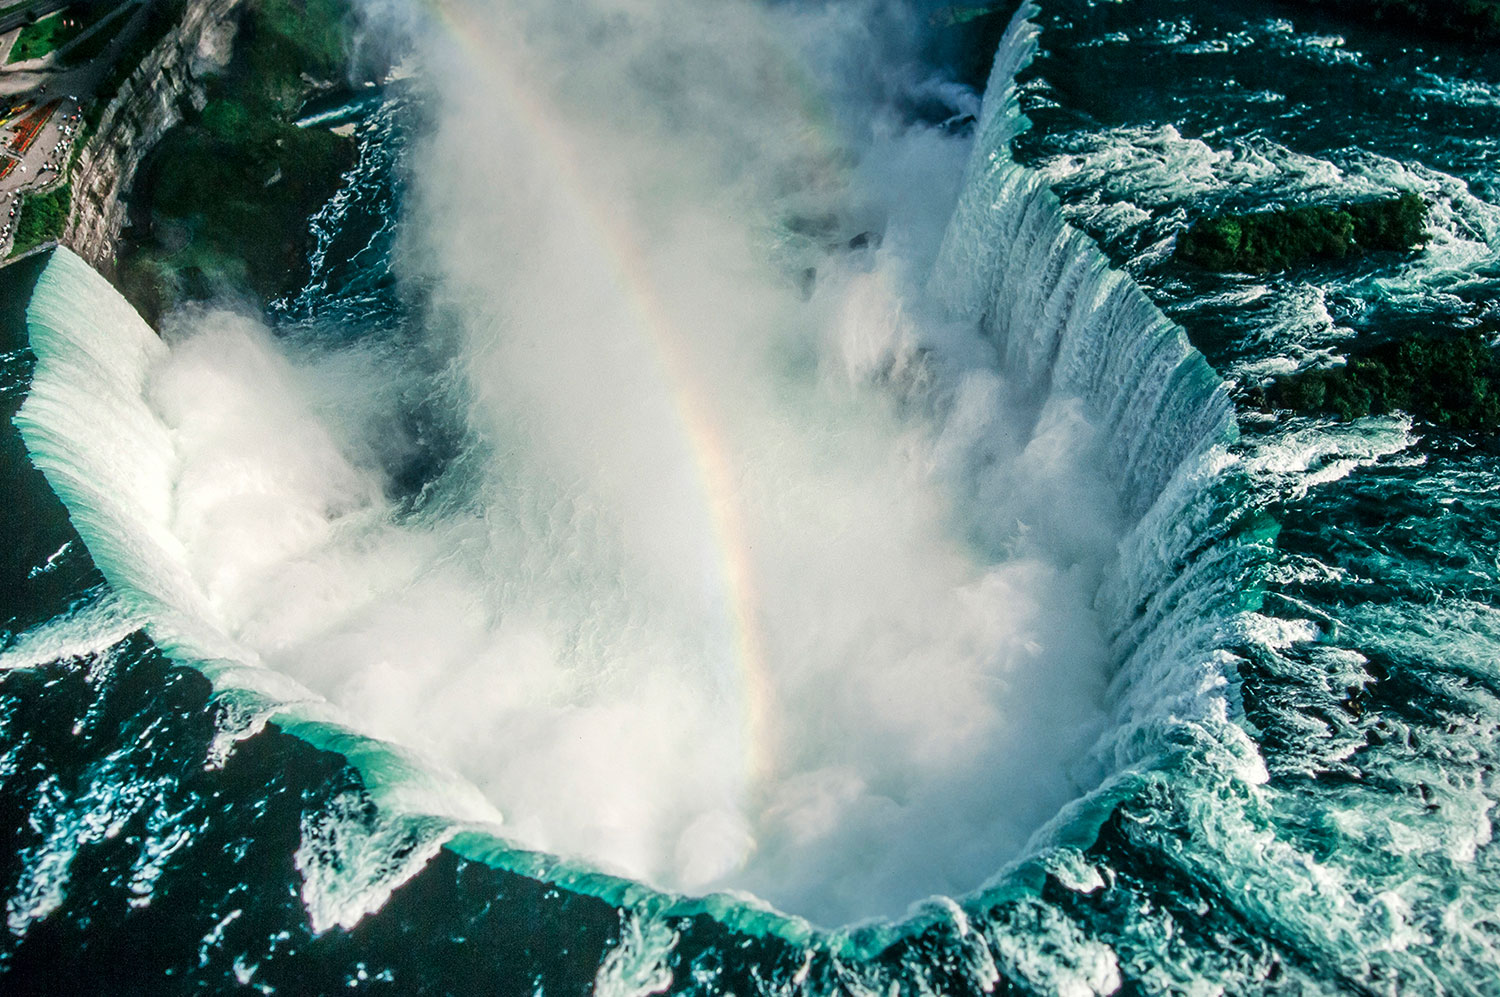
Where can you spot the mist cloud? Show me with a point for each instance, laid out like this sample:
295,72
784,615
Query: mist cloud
613,216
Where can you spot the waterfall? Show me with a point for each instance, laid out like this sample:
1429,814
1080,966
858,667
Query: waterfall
1063,320
1064,325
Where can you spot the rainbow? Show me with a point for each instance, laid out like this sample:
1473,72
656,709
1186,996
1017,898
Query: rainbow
652,322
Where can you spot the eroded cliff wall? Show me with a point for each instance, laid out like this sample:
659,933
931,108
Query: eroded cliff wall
151,100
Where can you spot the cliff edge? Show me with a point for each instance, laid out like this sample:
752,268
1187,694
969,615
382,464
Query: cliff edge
160,89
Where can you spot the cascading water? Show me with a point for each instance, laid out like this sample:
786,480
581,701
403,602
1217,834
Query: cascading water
237,488
942,580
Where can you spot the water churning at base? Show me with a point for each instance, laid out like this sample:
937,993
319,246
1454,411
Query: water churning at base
922,508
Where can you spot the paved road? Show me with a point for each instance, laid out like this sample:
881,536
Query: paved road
71,87
40,164
34,11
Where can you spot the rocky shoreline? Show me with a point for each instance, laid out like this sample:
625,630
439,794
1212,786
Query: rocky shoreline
151,99
190,179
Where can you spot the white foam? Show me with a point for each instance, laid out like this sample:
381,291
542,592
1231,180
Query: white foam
90,629
927,533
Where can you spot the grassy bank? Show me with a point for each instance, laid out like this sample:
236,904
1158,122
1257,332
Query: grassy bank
1451,381
42,218
50,33
1278,240
223,202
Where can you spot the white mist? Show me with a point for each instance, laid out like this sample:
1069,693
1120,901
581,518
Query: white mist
732,587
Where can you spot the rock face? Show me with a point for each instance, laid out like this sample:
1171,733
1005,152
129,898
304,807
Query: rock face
151,101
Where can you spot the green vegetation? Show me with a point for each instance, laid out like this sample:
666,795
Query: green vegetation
285,41
1451,381
230,197
229,192
56,30
42,218
1277,240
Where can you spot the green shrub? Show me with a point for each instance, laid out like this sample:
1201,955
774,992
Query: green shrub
1444,380
1277,240
42,219
1393,224
225,119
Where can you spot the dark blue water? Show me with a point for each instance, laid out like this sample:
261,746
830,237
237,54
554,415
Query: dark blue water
1305,690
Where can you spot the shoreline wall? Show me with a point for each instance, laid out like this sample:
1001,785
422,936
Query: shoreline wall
150,102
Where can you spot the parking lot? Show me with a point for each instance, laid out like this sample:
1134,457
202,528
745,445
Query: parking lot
36,138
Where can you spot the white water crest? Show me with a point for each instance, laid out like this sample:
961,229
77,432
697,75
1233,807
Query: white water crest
734,584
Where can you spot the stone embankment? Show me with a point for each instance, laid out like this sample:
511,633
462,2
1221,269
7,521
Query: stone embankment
153,98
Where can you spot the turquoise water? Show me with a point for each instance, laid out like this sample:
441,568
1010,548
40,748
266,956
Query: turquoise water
1292,792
